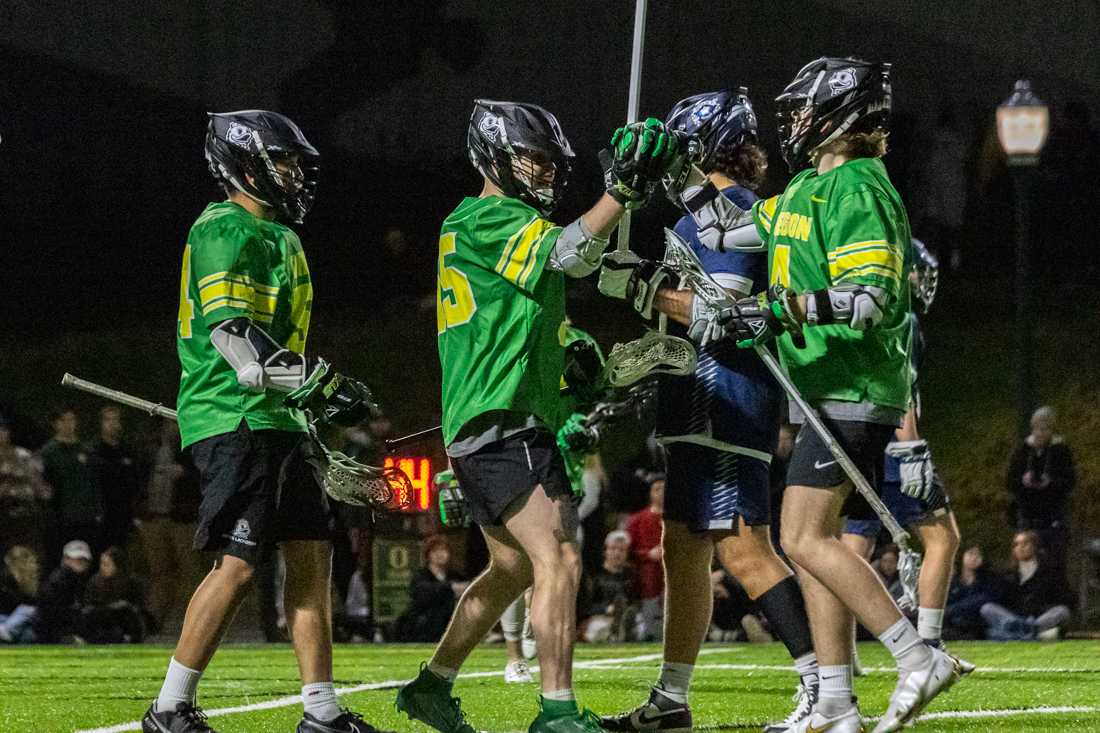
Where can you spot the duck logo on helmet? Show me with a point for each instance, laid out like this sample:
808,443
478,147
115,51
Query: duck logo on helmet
239,135
491,127
842,81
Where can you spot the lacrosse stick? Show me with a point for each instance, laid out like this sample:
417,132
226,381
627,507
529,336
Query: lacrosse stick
343,478
680,257
653,353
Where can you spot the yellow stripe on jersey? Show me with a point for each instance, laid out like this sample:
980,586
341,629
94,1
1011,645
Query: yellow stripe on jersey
212,278
506,254
865,258
258,302
534,256
517,263
766,212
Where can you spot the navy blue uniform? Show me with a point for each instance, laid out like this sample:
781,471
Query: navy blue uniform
719,425
906,510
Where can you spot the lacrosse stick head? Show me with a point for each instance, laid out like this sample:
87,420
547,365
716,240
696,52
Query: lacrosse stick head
358,484
653,353
680,258
909,563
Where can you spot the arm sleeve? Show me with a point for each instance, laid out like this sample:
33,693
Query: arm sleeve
222,263
516,243
864,246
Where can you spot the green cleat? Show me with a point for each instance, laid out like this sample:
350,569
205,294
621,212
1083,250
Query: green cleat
584,721
428,699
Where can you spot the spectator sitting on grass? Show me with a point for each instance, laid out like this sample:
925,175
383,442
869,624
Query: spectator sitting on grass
1034,601
971,588
114,603
610,593
18,595
61,596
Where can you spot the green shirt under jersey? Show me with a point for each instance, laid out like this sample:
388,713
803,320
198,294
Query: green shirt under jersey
237,265
845,226
499,310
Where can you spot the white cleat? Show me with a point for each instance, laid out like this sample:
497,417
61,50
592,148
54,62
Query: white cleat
916,689
848,721
804,708
517,672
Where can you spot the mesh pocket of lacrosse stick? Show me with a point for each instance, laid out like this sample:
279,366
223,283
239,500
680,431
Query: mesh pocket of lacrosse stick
653,353
346,479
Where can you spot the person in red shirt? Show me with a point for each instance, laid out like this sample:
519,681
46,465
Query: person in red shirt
644,528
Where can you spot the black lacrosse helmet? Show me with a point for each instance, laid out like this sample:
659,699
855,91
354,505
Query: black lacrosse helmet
506,138
828,98
717,120
242,150
926,275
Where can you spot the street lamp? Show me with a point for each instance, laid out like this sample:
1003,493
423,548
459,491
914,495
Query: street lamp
1023,122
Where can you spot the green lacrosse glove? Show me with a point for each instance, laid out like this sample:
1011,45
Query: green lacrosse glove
452,503
639,156
334,398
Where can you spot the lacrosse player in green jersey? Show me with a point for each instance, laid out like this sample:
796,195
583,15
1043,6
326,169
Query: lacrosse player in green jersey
838,246
501,304
245,299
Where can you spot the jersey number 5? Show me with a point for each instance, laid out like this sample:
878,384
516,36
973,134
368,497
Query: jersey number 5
187,306
455,303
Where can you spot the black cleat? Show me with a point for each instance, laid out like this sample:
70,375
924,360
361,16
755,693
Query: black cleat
185,718
659,713
347,722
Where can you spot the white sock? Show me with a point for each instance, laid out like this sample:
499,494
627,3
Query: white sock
835,692
808,670
445,673
511,621
319,699
179,686
905,644
930,623
560,695
675,680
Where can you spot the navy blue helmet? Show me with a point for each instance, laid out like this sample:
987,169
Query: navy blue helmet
718,121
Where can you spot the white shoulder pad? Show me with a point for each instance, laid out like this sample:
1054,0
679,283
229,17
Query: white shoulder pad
722,225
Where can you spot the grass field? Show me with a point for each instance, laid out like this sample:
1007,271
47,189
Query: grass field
1018,687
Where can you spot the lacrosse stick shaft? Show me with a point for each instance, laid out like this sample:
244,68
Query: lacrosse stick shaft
152,408
634,98
899,535
412,437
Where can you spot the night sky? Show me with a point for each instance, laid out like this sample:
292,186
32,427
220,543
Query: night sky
102,115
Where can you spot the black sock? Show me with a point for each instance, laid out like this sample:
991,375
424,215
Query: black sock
783,606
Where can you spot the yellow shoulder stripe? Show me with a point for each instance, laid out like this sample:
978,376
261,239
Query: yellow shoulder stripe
521,261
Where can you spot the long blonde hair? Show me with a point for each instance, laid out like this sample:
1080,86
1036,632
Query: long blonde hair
22,564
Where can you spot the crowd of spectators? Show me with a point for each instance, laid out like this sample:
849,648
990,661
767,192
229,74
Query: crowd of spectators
78,515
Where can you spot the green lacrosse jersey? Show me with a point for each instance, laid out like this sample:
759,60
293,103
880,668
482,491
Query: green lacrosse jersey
845,226
234,265
499,311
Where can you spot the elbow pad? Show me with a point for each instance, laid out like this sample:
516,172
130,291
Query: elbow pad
857,306
722,225
578,251
260,362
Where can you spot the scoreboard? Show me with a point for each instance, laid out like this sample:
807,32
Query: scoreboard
419,471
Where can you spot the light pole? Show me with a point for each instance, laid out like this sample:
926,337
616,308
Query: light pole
1023,122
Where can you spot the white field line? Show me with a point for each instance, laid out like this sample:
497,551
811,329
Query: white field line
596,664
282,702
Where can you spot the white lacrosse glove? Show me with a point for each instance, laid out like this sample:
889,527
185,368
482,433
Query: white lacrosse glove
916,469
627,276
706,326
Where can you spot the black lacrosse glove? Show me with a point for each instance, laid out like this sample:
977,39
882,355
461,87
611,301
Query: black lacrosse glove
334,398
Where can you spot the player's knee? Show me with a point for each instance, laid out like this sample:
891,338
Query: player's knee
234,571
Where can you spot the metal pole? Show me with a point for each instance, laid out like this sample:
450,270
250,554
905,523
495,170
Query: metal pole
1021,178
633,100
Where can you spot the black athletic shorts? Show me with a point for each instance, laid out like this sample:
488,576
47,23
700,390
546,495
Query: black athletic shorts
258,491
495,475
812,464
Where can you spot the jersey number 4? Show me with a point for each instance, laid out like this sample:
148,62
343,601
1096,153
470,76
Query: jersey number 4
455,303
187,306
